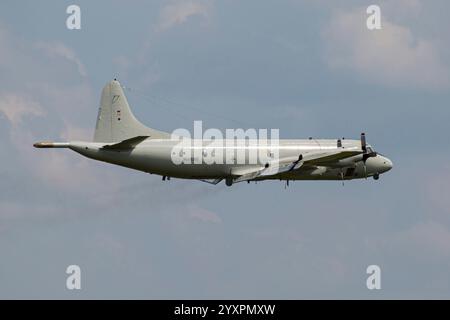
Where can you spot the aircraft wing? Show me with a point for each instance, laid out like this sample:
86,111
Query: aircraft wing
329,157
125,144
290,164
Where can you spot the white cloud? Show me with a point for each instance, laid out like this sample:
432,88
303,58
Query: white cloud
60,50
73,132
66,103
393,56
178,13
16,107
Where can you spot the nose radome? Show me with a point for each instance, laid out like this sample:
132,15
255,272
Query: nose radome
387,164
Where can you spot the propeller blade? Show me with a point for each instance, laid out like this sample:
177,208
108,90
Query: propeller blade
363,142
366,155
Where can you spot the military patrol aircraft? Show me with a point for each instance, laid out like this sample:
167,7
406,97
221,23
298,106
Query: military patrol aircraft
122,140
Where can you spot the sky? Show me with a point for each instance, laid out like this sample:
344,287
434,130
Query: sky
307,68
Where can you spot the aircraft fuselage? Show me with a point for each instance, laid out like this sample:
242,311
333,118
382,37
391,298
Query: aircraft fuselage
155,156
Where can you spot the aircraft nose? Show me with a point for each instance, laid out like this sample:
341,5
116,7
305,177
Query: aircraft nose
386,164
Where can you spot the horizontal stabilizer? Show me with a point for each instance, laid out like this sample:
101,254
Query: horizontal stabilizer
126,144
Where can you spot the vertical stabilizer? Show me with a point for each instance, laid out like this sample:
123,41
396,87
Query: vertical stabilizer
116,122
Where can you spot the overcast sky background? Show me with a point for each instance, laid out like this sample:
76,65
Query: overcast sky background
309,68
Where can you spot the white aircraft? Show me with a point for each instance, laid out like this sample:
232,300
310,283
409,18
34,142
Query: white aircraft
122,140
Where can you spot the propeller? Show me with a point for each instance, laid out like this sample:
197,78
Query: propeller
363,142
366,153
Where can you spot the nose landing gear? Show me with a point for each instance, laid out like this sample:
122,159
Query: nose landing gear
229,182
376,176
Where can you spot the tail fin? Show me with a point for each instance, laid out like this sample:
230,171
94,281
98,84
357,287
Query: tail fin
116,122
